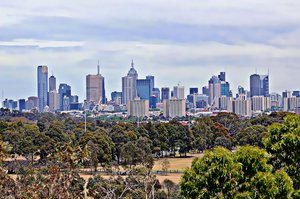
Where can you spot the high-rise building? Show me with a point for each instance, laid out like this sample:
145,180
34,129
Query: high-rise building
240,106
178,92
260,103
193,90
264,84
129,87
259,85
52,83
174,108
42,84
151,78
222,76
64,91
214,91
144,88
138,107
22,105
165,93
54,104
95,88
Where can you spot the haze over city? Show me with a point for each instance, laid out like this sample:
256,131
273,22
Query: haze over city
175,41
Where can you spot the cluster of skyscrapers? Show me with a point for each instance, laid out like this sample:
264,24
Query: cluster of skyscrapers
139,95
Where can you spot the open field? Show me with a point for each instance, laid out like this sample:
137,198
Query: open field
177,163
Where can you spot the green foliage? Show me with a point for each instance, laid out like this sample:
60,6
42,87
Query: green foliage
242,174
283,143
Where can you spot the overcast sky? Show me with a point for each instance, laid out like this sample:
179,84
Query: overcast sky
174,40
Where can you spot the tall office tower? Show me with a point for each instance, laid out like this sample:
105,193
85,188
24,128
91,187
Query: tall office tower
95,88
254,85
178,92
22,105
54,104
129,88
264,85
193,90
214,91
225,89
144,88
222,76
259,85
174,108
165,93
205,90
52,83
64,91
138,107
42,87
151,78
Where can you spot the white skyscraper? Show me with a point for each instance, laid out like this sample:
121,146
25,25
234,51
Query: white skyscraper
129,85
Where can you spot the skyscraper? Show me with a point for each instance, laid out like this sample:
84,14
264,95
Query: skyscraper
95,88
259,85
22,105
165,93
144,89
54,104
52,83
129,87
178,92
151,78
42,81
214,90
264,85
64,91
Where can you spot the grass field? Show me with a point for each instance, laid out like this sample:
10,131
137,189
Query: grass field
178,164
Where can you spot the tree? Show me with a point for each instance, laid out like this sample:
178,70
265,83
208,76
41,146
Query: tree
244,173
165,165
283,143
251,135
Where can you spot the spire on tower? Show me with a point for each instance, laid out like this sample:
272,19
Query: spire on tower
98,67
132,64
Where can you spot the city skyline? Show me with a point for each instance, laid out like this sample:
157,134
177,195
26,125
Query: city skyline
175,41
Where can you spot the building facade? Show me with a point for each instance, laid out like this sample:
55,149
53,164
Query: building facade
138,107
129,85
42,84
174,108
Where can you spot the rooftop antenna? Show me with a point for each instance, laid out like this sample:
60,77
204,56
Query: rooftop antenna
132,64
98,67
255,70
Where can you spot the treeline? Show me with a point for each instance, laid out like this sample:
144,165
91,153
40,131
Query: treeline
63,146
114,142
